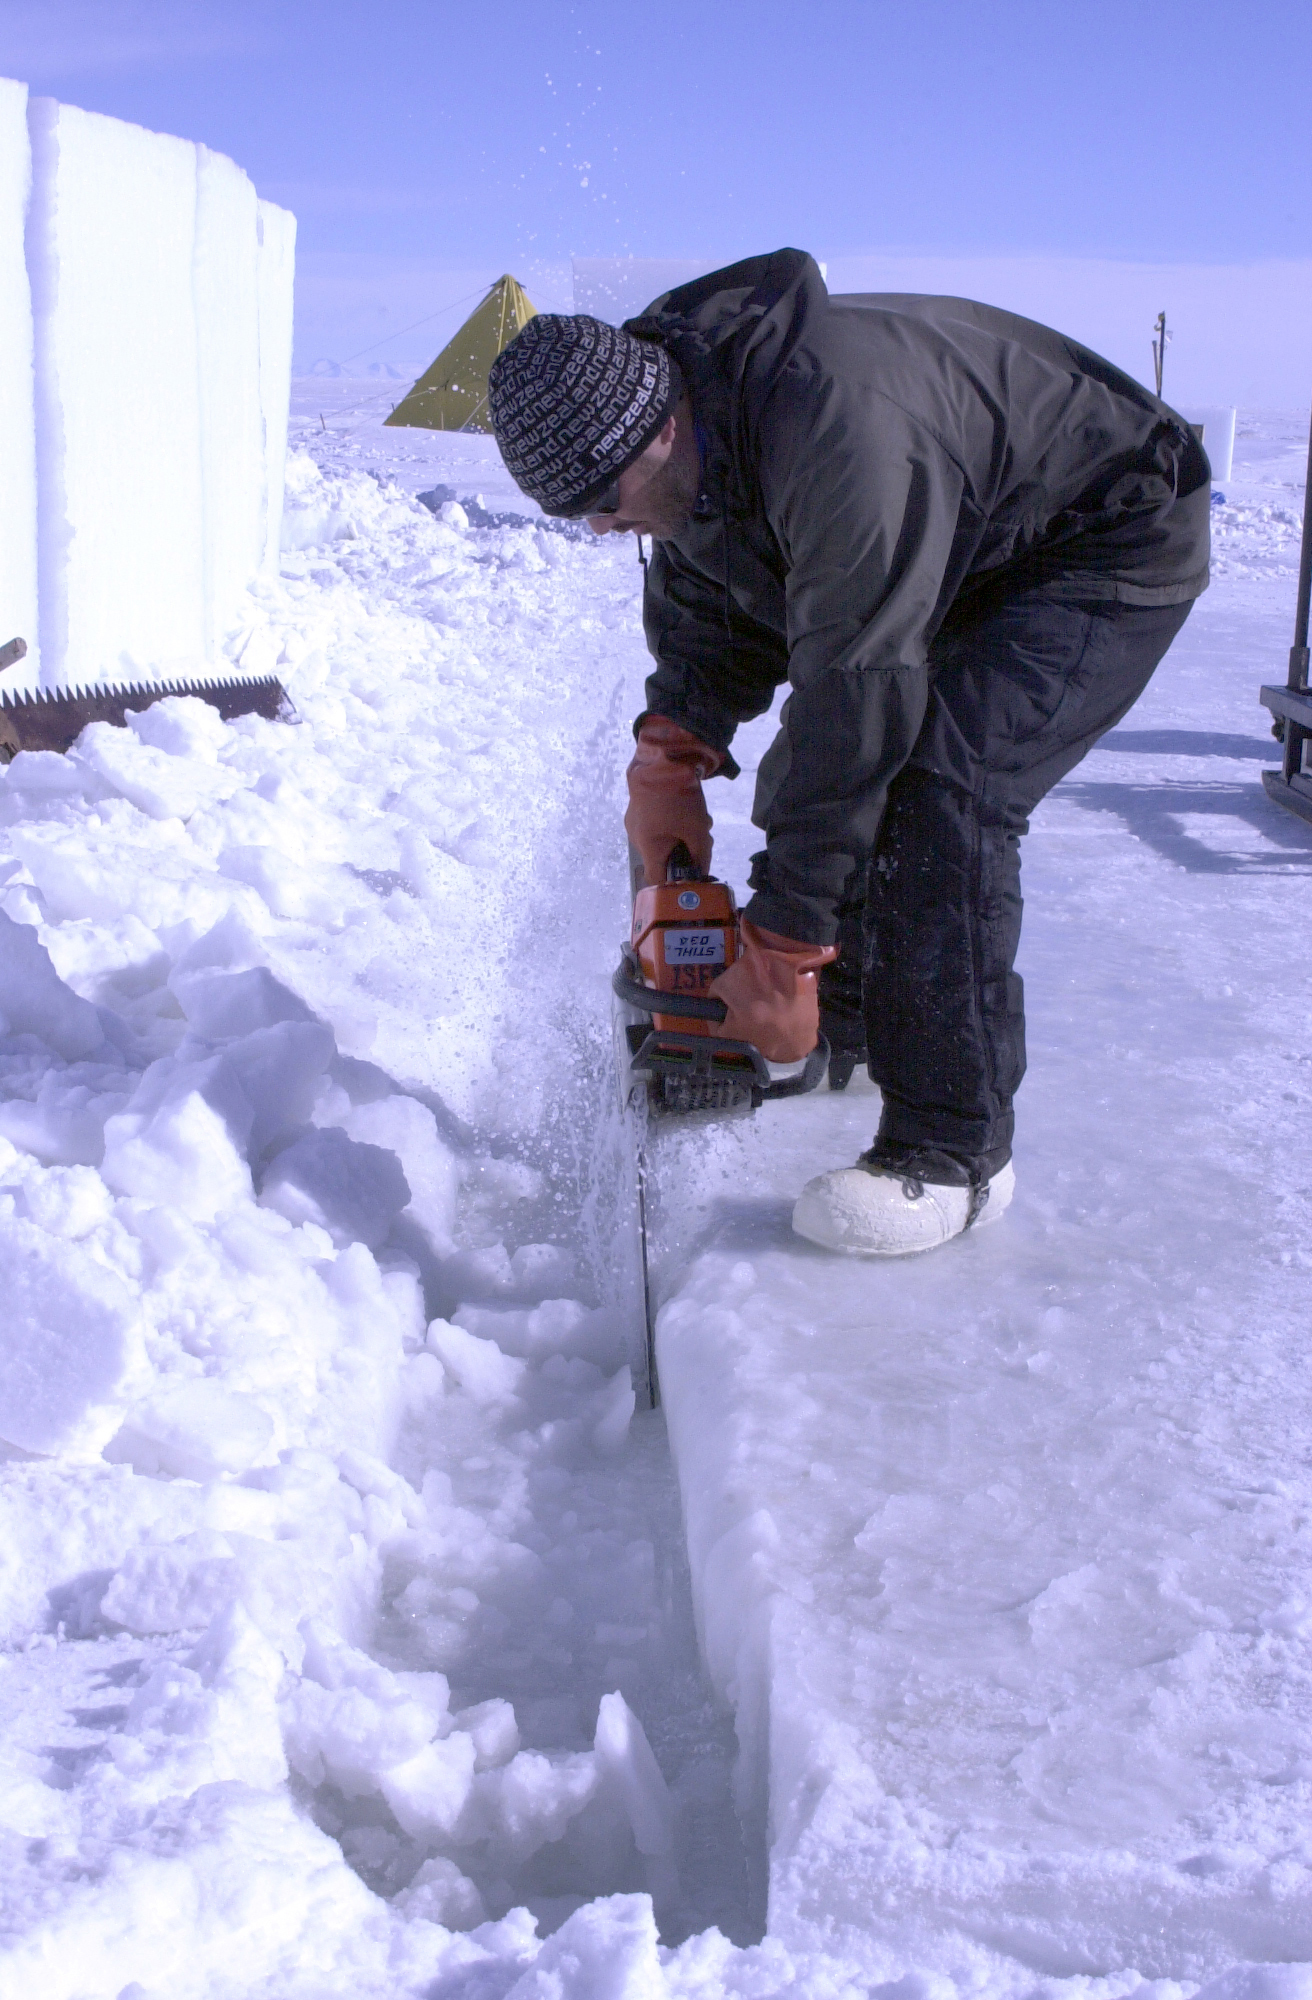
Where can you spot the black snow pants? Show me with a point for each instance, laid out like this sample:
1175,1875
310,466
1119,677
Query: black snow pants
1022,686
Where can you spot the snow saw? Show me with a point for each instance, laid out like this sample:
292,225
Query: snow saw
685,933
53,718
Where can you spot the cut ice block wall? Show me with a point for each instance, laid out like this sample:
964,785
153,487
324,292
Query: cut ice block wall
145,358
228,373
1217,424
277,240
18,611
118,436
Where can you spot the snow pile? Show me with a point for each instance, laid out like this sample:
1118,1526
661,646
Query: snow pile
309,1435
1255,538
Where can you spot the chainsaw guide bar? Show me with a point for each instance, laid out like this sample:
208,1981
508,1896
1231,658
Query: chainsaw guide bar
685,932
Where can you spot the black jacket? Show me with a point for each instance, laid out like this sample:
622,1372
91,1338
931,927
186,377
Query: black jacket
868,462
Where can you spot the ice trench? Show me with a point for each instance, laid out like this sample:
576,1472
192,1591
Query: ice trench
610,1609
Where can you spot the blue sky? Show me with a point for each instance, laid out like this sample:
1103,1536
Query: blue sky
425,147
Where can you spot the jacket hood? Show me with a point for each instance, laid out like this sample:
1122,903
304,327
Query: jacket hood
760,300
749,313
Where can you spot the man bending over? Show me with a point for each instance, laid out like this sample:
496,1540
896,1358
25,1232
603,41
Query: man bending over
966,542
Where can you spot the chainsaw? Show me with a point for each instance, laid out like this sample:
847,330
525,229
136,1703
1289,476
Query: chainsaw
685,933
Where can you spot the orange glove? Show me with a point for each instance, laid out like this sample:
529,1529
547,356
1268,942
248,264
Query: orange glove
771,993
665,795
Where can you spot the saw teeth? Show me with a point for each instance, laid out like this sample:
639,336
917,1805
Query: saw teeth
53,718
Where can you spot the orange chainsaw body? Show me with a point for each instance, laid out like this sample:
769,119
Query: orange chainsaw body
684,935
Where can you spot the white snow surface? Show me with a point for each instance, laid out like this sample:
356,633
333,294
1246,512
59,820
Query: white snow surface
350,1642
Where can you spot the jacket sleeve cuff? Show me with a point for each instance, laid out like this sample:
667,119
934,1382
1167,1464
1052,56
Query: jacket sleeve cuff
701,723
808,922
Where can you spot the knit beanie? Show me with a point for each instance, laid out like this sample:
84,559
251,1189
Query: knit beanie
573,402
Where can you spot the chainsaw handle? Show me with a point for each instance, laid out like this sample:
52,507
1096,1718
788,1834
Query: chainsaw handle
811,1075
648,1001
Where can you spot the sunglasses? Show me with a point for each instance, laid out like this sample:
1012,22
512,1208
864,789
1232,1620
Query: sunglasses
608,503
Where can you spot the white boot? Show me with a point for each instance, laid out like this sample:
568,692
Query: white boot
886,1215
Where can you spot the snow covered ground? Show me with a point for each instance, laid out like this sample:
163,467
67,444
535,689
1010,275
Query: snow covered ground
351,1641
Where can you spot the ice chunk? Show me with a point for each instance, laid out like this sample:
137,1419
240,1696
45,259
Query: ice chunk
18,501
494,1730
608,1950
430,1167
182,725
630,1773
557,1326
351,1721
218,1003
195,1431
529,1802
330,1662
135,867
354,1192
64,1124
369,1475
423,1380
71,1201
177,1142
114,964
314,527
427,1792
541,1270
479,1366
34,999
182,1585
224,986
45,774
161,785
214,1078
315,892
71,1351
440,1894
350,1738
280,1069
230,945
534,1272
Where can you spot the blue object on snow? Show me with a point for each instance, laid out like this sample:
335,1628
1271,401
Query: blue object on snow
1218,499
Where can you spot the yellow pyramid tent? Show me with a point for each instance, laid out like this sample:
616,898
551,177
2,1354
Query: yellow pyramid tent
452,396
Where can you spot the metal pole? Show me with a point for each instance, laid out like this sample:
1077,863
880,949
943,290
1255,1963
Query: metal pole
1298,655
1292,761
